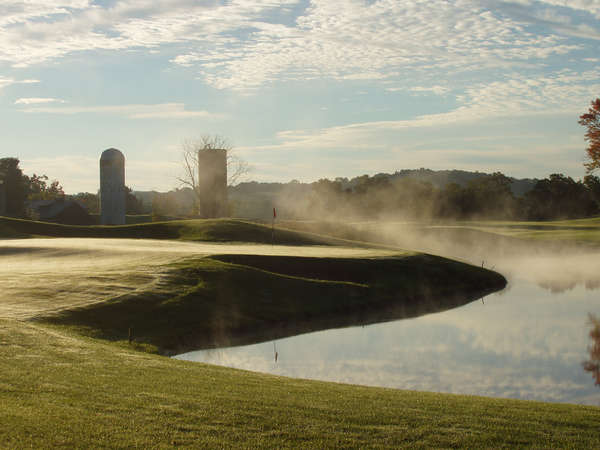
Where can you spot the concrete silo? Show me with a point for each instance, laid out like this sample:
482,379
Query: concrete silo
212,182
112,187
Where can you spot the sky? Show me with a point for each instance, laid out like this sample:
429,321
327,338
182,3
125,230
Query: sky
301,89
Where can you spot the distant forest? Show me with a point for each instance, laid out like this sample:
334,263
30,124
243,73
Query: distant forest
420,194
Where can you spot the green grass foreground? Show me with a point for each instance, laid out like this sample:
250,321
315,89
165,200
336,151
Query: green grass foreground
61,387
58,389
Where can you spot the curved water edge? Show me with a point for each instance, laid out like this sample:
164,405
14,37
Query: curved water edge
401,309
527,341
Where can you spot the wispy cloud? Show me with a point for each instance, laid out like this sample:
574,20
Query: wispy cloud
244,44
564,93
37,100
4,82
438,90
158,111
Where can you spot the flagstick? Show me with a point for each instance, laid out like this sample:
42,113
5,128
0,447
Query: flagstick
273,227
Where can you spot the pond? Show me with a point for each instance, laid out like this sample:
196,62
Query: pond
528,341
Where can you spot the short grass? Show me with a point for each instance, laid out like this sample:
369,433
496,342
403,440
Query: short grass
214,230
241,299
58,389
576,231
560,233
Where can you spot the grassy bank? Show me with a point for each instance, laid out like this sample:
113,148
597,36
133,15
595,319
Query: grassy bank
509,236
59,386
242,299
217,230
59,389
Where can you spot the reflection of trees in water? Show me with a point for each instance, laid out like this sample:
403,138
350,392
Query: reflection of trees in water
558,287
561,286
592,285
593,364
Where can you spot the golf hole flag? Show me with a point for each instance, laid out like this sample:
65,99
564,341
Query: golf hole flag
274,213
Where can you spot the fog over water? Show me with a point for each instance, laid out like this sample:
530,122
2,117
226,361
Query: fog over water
527,341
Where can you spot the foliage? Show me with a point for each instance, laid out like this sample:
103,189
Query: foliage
15,186
175,203
591,120
20,187
39,189
89,200
593,364
560,197
393,197
133,205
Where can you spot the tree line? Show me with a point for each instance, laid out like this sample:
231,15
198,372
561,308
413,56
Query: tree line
19,189
489,196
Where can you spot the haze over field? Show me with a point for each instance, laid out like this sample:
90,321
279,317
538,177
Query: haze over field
303,88
40,276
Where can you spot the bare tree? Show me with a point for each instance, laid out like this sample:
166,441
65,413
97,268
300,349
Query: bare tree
191,154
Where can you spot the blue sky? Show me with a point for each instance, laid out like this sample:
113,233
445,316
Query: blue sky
301,89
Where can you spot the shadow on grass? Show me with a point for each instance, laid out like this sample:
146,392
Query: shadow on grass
242,299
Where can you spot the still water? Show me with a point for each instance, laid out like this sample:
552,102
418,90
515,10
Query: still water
527,341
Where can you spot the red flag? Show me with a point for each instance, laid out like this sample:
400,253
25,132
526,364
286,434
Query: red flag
274,213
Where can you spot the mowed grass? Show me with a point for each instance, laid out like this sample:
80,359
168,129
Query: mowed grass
58,389
214,230
61,388
576,231
241,299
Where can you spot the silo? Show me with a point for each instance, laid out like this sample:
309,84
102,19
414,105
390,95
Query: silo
212,182
112,187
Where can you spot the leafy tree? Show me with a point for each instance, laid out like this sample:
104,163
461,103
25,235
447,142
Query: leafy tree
133,205
39,189
491,196
89,200
591,120
559,197
15,186
593,185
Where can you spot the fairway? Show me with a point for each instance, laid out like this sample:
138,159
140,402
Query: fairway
61,387
42,276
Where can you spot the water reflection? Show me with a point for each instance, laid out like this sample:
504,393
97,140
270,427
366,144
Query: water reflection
524,342
558,267
592,365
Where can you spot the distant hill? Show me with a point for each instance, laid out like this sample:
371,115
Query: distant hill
256,200
441,178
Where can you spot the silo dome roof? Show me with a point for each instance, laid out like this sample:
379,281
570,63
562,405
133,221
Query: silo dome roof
112,154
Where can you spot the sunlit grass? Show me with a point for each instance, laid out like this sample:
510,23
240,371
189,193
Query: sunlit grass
214,230
241,299
58,389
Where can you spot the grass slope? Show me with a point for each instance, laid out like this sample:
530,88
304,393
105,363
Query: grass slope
241,299
215,230
58,389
